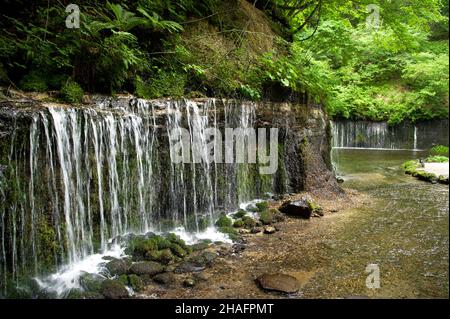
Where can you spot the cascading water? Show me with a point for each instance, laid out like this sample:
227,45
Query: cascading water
94,174
379,135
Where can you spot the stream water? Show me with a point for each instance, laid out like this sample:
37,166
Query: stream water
403,229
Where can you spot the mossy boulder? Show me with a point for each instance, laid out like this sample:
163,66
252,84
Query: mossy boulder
178,251
123,279
118,267
252,208
238,223
74,294
135,282
140,247
266,217
249,222
175,239
224,221
240,214
232,233
146,268
166,256
262,206
166,278
200,246
91,282
114,289
161,242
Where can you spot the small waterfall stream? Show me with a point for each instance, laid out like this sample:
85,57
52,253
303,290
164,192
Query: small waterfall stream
84,176
379,135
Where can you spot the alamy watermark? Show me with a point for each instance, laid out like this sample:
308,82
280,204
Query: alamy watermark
373,21
240,145
373,279
73,19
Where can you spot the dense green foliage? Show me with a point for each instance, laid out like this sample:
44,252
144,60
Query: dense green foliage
439,150
394,70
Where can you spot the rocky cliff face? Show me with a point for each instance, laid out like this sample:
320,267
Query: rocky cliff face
72,177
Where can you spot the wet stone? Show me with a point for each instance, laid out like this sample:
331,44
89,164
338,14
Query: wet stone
146,268
279,282
188,267
113,289
166,278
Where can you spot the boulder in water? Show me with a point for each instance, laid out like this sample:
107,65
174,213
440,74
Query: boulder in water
146,268
300,208
91,282
118,267
279,282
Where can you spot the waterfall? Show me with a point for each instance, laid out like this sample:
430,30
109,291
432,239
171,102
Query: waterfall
83,176
380,135
415,138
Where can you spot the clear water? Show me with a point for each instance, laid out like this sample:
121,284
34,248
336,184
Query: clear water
403,228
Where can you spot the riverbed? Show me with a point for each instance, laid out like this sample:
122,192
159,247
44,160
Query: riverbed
386,219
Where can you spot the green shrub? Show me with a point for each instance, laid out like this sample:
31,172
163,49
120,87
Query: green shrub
163,84
437,159
439,150
410,166
72,92
34,82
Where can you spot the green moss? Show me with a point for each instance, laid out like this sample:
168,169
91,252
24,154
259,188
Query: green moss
135,282
437,159
241,213
224,221
162,84
238,223
141,248
72,92
262,206
178,251
195,224
249,222
161,242
439,150
123,279
427,177
314,206
266,217
232,233
410,166
48,246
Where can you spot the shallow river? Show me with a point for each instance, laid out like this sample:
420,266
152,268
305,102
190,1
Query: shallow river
403,231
